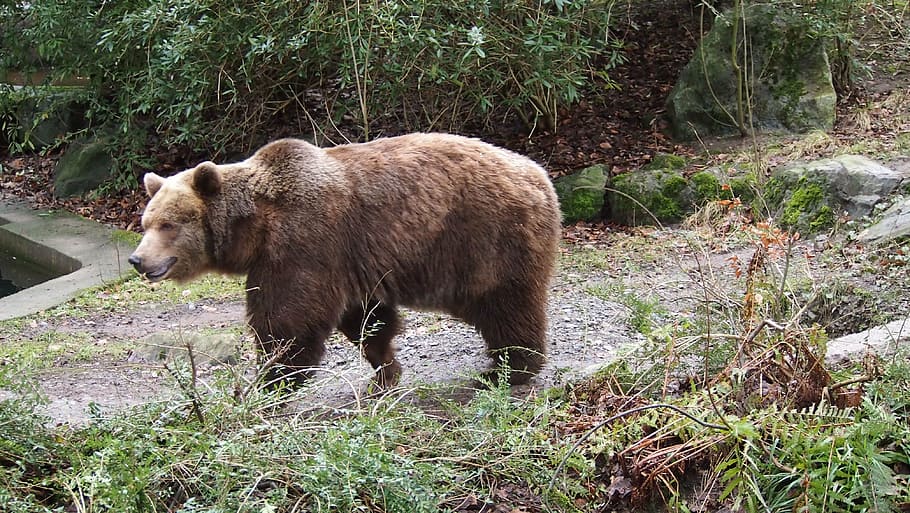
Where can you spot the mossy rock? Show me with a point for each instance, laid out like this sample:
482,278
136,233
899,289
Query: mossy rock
667,196
744,187
803,206
707,187
791,87
666,161
723,183
85,166
581,194
808,197
646,196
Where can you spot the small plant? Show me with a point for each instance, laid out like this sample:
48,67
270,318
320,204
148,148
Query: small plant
226,444
643,311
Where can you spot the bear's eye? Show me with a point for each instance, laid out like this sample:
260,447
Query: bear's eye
167,227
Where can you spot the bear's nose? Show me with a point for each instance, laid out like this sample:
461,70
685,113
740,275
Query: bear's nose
135,260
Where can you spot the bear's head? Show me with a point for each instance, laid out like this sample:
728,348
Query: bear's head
176,244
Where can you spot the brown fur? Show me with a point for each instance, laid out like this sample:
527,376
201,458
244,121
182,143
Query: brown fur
338,238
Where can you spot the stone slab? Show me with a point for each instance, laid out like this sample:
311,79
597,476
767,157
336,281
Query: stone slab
880,340
894,224
62,241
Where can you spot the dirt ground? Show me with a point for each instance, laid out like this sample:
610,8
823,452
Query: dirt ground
585,333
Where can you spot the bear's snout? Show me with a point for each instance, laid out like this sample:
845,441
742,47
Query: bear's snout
152,271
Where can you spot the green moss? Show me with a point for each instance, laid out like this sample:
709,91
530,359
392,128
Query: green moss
823,219
804,199
581,194
126,237
664,208
789,92
775,189
579,206
658,192
673,185
666,161
806,208
707,187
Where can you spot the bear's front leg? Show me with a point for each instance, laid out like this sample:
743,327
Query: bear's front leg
290,321
289,355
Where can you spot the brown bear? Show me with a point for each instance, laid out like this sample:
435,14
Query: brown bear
341,237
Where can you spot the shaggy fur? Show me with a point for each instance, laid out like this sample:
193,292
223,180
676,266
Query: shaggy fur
340,237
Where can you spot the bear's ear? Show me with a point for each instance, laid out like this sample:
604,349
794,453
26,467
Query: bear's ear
207,179
152,182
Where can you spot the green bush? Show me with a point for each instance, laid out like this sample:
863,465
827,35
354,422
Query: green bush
225,76
213,452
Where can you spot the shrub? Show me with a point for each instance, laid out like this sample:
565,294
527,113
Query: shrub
218,452
213,76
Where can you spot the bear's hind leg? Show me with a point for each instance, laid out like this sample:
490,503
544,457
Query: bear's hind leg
374,326
513,324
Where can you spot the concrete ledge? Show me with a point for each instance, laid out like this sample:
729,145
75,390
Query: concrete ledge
85,250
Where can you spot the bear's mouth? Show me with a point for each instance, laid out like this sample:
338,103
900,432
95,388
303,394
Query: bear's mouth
159,272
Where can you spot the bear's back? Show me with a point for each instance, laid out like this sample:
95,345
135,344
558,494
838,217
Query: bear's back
442,216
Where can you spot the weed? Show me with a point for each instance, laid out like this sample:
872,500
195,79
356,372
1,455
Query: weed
237,455
584,259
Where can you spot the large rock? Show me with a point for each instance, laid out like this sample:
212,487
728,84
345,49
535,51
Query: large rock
787,76
661,192
808,197
649,196
656,194
85,166
581,194
881,340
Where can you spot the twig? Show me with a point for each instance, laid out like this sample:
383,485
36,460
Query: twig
865,378
188,388
750,337
194,376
